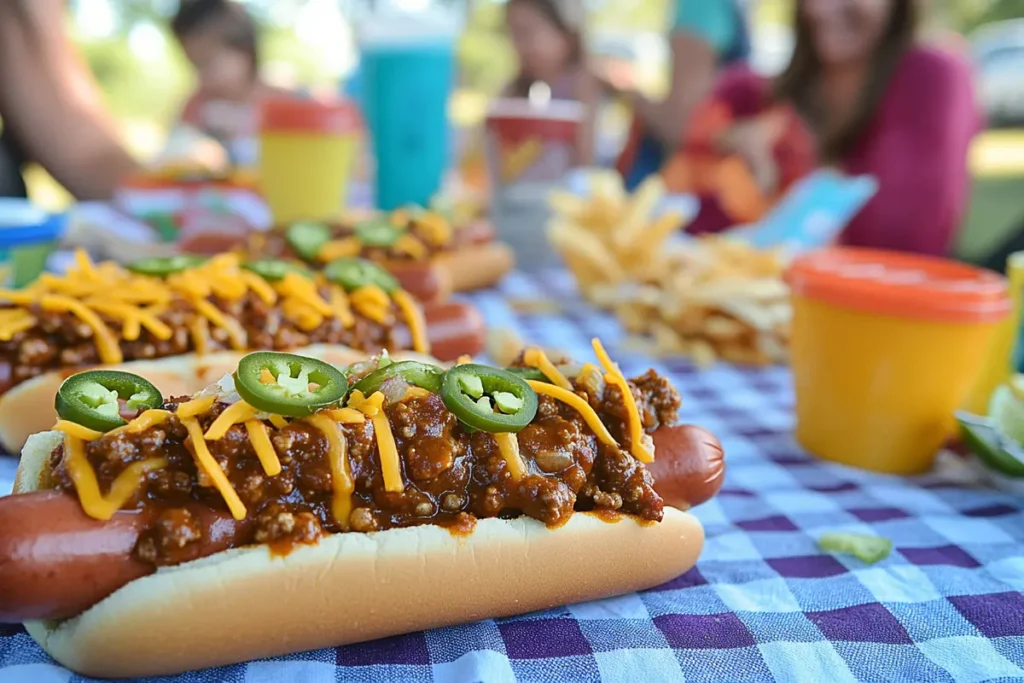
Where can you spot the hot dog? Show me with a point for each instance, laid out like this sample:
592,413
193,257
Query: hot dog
106,315
386,515
420,247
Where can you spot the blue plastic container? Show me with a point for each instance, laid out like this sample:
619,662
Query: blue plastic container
406,81
27,238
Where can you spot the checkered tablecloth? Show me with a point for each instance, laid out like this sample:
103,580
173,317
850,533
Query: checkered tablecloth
763,603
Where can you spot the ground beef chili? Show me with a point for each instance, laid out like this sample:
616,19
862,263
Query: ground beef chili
60,340
451,477
274,244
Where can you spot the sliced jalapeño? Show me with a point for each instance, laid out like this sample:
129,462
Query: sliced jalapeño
293,386
488,399
353,273
93,398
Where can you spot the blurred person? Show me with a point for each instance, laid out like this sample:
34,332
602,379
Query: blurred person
548,39
873,101
706,36
220,40
51,108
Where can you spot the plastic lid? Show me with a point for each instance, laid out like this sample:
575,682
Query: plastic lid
307,114
518,119
23,223
901,285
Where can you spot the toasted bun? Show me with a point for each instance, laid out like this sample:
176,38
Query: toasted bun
476,266
247,604
28,408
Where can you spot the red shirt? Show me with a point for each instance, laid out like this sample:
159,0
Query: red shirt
915,145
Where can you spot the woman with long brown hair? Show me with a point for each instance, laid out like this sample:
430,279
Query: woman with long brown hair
548,37
876,102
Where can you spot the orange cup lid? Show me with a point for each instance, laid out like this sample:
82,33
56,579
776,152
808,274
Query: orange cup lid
900,284
309,115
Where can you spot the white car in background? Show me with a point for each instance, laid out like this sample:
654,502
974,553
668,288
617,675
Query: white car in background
998,52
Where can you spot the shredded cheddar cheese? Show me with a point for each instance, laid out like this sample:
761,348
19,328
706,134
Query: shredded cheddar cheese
508,446
261,445
77,431
211,468
390,463
341,476
93,502
149,418
435,228
413,315
260,287
236,335
13,321
279,421
337,249
368,406
641,449
196,406
199,329
107,345
347,416
581,406
464,359
537,359
232,415
340,306
408,244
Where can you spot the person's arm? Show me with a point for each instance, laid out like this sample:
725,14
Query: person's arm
51,104
918,153
703,31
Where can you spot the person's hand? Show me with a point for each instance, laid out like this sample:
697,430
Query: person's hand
754,141
616,77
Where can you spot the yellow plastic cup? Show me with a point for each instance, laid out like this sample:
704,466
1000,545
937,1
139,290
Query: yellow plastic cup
307,156
885,347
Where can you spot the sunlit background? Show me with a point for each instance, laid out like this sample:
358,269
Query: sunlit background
309,43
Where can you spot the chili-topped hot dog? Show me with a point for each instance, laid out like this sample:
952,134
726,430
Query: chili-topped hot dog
187,308
334,506
421,248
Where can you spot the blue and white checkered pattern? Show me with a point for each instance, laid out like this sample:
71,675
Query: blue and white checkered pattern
763,603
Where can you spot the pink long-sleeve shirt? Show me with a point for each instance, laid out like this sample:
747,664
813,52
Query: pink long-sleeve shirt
916,146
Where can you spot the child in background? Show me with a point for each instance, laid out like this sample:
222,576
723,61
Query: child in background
548,39
220,40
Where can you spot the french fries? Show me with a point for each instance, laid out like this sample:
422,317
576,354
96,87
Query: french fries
711,299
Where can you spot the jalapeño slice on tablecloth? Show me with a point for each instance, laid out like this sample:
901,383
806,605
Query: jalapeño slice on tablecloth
273,270
93,399
378,232
353,273
289,385
869,549
488,399
308,238
412,372
162,266
992,448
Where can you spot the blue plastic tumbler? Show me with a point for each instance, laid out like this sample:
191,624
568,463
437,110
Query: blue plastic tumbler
406,84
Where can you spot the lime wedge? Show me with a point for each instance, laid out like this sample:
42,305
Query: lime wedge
1006,412
1016,385
981,437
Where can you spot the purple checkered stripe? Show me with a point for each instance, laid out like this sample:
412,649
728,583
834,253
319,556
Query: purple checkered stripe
763,604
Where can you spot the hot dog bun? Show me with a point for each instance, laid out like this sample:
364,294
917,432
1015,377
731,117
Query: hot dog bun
246,604
28,407
476,266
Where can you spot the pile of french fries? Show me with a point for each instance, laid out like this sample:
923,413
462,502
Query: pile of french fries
710,299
